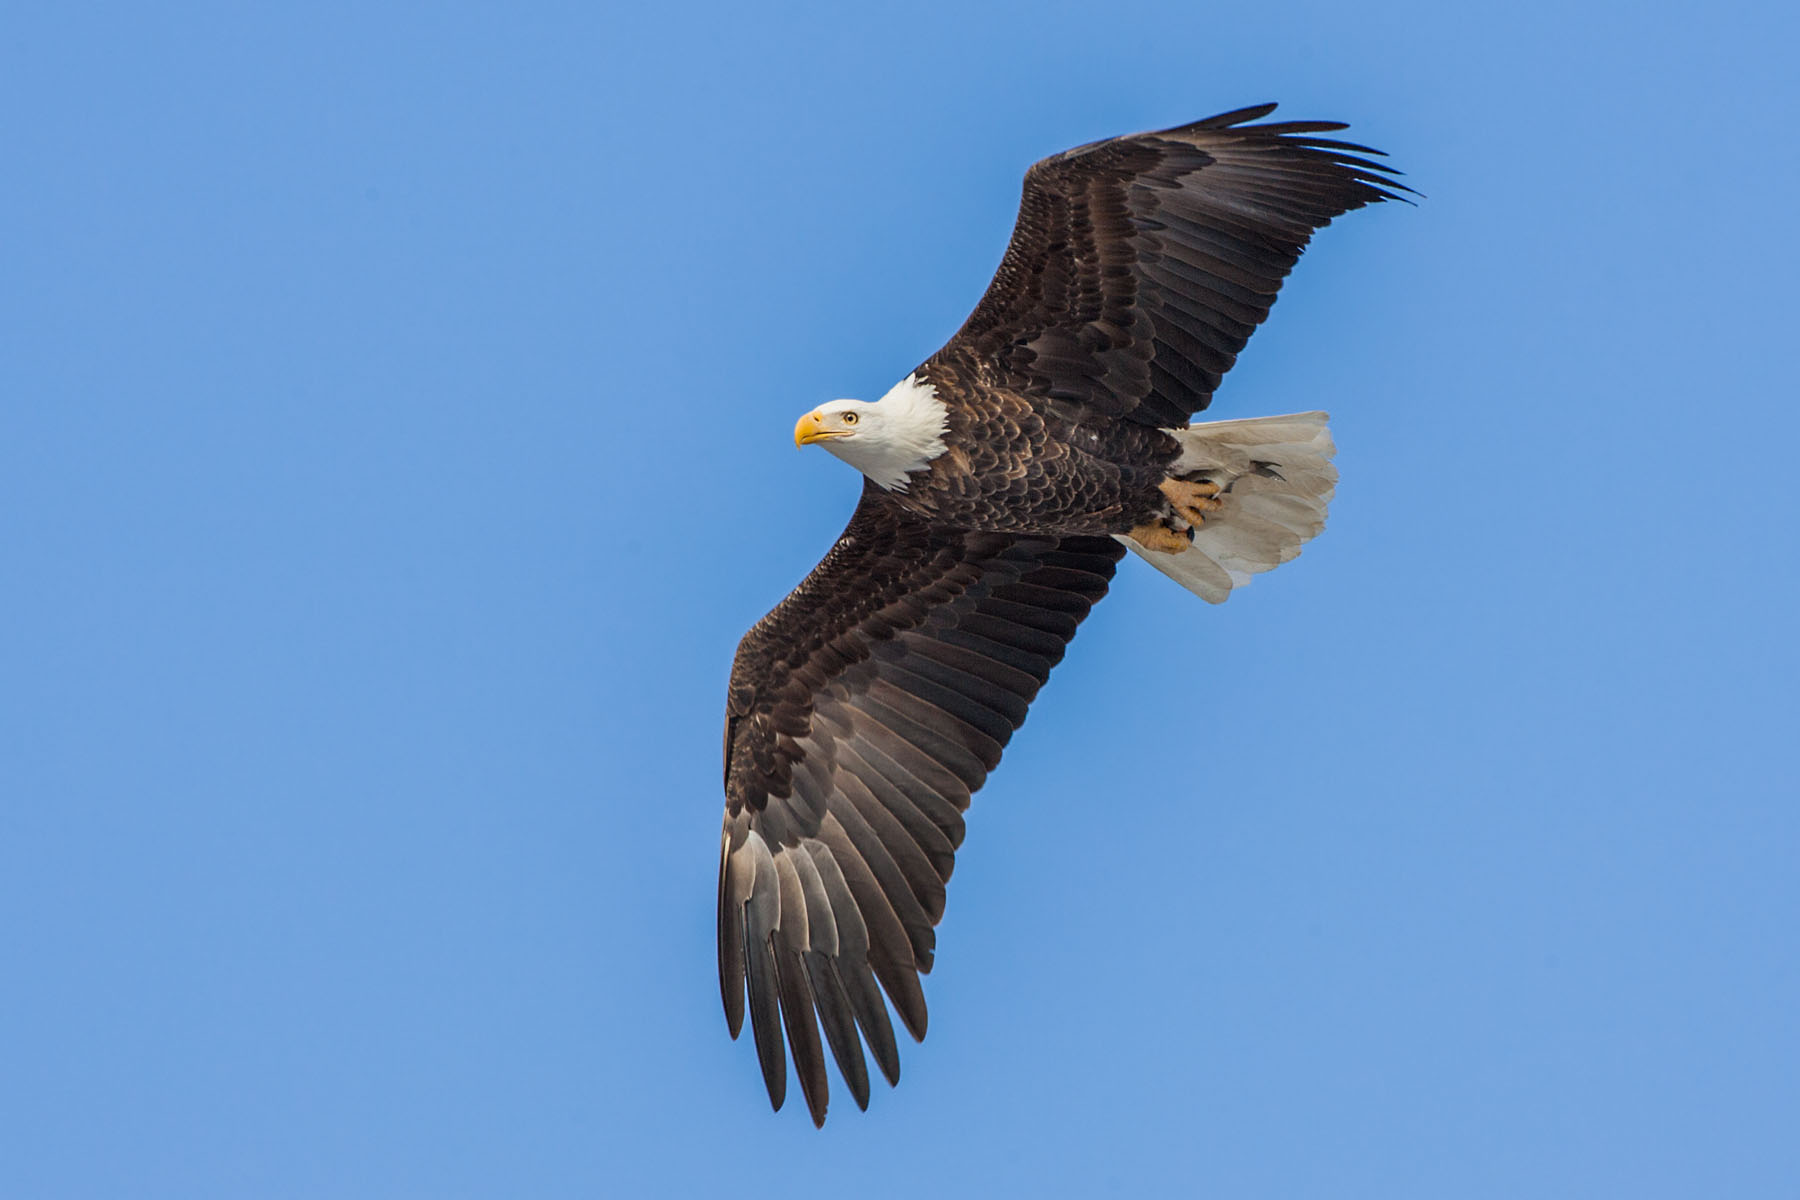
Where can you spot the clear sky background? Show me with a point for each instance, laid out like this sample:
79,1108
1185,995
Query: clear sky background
395,411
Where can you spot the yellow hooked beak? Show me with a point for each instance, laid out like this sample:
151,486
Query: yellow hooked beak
811,428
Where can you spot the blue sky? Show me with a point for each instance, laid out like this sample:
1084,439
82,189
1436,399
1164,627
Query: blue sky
395,411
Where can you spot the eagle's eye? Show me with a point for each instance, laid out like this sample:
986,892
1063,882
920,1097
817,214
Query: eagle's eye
850,418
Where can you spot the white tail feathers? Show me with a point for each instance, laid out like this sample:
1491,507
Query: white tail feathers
1275,479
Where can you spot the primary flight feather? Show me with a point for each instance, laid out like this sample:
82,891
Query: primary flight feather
1004,479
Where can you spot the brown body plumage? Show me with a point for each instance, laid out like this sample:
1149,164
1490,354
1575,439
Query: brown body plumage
1014,463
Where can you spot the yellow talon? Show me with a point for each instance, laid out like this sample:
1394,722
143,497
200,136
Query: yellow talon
1158,536
1191,501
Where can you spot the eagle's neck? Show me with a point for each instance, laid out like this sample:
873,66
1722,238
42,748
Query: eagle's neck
906,435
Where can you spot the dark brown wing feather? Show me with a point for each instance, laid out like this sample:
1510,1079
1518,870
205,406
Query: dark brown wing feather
863,713
1140,266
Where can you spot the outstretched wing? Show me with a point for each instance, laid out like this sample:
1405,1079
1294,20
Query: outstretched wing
863,713
1140,266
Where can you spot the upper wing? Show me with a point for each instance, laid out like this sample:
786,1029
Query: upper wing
1140,266
863,712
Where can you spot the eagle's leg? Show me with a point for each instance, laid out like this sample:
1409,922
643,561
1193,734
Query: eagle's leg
1160,536
1191,501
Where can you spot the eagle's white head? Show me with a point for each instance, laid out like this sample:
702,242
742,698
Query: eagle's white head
887,440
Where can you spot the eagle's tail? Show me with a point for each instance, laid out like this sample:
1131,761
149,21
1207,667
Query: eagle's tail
1274,479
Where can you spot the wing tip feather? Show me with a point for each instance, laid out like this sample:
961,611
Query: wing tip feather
1237,116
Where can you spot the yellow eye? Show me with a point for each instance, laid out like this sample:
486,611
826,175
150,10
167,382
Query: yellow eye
850,418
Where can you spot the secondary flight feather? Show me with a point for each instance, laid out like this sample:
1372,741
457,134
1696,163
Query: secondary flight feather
1004,479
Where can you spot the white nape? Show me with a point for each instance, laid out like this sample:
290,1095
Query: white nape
896,435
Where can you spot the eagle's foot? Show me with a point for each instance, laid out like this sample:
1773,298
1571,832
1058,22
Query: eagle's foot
1160,536
1191,501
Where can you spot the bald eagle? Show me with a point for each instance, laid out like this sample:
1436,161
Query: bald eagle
1004,479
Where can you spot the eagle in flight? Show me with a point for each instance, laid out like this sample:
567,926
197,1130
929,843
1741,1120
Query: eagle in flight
1004,479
